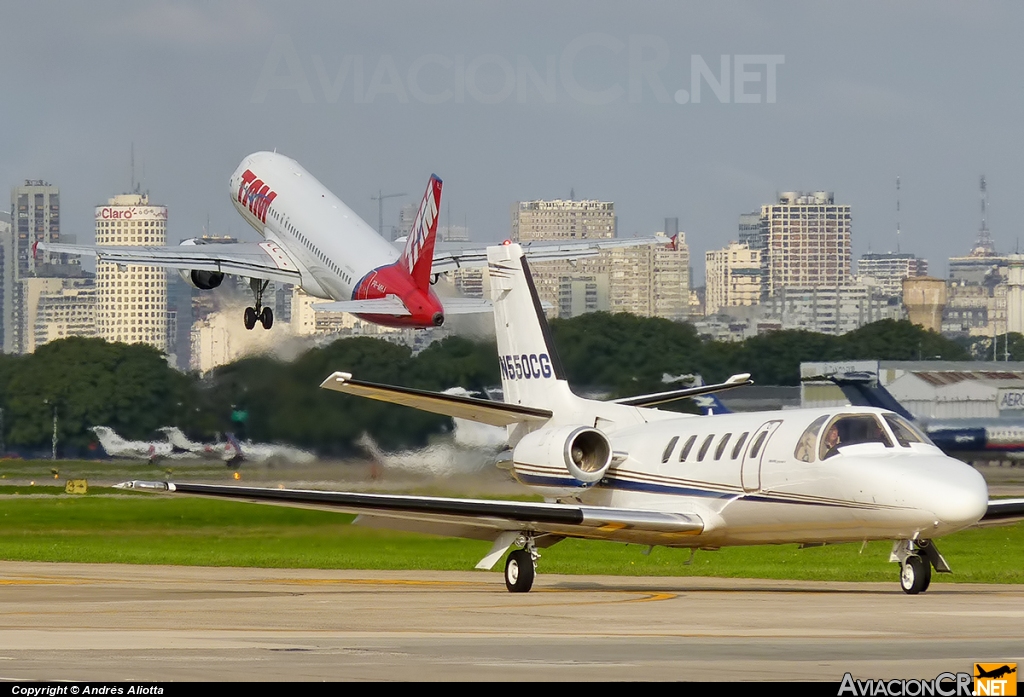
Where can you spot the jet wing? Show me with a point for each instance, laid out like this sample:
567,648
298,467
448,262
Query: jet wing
388,305
264,260
648,400
449,259
470,408
472,518
1003,512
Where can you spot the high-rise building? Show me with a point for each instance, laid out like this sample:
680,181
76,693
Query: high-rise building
35,217
751,232
59,308
132,300
732,277
807,239
887,271
6,280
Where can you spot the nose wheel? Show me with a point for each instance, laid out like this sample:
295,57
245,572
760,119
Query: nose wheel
916,559
263,315
521,567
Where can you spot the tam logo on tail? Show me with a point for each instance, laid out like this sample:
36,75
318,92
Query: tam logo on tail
418,255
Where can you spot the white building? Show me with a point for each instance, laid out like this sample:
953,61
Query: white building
57,308
830,310
131,303
887,271
733,277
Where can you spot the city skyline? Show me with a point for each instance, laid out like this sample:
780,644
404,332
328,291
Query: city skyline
933,100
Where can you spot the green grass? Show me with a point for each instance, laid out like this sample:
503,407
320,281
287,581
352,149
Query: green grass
107,526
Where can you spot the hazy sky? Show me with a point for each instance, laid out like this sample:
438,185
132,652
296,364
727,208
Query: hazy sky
520,100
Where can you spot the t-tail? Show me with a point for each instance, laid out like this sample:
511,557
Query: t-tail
531,373
233,450
418,255
864,390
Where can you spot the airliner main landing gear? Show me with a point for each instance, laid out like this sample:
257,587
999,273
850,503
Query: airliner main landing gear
264,315
521,566
916,559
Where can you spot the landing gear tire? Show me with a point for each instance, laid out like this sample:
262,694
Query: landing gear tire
915,575
519,571
250,317
267,318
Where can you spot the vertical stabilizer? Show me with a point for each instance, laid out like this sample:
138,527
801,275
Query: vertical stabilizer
531,373
418,255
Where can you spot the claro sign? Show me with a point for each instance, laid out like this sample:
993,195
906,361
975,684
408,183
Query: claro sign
130,212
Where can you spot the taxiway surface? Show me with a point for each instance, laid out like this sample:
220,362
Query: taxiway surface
117,622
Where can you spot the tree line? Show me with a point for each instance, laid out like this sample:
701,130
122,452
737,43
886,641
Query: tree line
130,388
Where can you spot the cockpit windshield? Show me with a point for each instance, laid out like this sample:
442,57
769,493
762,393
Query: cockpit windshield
906,432
805,446
851,429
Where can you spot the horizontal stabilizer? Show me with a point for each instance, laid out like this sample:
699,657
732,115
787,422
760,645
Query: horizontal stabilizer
495,517
471,408
648,400
466,306
388,305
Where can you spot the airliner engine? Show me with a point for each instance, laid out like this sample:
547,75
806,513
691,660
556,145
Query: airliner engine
581,452
203,280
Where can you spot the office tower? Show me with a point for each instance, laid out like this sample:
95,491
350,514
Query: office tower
807,238
733,277
132,299
887,271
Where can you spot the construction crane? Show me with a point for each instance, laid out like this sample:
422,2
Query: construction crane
379,198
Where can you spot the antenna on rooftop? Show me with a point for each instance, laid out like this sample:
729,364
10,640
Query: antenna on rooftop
897,214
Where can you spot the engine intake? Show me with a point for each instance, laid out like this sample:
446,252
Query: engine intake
585,453
205,280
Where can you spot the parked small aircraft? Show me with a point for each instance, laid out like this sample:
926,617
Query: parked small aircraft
627,472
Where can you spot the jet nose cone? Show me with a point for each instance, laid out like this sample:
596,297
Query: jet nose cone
961,499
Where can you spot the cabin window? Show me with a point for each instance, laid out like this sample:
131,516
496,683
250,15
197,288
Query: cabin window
704,448
808,440
851,429
687,447
721,446
905,431
669,448
758,442
738,448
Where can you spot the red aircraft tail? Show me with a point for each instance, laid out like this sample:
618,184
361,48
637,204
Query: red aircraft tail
418,256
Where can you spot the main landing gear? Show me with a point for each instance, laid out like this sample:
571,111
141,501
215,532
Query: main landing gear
264,315
916,559
521,566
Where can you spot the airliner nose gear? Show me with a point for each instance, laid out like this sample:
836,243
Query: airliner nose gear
916,559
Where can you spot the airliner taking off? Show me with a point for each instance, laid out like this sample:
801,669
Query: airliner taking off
627,472
313,240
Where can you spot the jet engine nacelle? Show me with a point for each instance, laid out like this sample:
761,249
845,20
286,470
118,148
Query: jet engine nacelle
584,453
203,280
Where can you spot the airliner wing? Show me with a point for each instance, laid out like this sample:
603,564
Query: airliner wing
264,260
451,259
470,408
471,518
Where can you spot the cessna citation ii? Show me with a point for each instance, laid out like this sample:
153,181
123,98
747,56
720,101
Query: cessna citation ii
313,240
625,471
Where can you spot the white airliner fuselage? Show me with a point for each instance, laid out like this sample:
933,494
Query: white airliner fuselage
334,247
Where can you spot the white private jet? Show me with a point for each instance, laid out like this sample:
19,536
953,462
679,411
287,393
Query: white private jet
627,472
315,241
232,451
116,446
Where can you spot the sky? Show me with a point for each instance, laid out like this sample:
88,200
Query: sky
695,110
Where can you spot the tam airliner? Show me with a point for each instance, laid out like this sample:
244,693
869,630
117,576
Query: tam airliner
314,241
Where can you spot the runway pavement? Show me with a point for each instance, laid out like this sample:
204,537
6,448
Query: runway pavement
120,622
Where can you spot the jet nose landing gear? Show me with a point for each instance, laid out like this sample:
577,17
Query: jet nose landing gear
264,315
916,559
